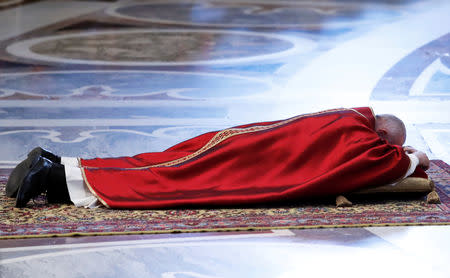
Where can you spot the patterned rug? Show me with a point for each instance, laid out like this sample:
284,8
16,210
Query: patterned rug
43,220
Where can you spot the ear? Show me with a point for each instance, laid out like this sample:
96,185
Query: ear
382,132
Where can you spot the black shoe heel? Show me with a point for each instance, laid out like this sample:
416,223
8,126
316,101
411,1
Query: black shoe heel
17,176
34,182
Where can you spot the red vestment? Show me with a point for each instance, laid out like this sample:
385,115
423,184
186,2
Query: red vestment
318,154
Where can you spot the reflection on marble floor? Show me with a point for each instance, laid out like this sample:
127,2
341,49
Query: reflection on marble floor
111,78
353,252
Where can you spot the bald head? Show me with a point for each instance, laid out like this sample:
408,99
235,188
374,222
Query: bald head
390,128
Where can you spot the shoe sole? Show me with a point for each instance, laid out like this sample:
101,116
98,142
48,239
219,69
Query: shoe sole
30,188
17,175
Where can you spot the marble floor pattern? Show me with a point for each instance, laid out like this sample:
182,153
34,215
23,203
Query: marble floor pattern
111,78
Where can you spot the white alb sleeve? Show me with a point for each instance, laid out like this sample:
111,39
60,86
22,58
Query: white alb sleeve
79,193
412,165
69,161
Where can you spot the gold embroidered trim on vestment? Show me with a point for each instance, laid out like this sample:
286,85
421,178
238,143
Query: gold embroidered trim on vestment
92,190
373,113
359,113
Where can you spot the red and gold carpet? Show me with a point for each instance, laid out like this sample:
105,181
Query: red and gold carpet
43,220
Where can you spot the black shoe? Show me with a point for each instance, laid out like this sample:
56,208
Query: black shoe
34,182
57,191
22,169
44,153
44,176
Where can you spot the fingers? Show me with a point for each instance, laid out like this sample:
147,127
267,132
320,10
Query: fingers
409,149
425,166
424,162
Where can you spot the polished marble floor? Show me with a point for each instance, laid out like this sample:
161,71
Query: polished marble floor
349,252
110,78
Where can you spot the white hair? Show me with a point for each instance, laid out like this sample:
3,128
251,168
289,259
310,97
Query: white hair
394,126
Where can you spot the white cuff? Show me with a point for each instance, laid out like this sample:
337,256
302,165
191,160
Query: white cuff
79,194
69,161
414,161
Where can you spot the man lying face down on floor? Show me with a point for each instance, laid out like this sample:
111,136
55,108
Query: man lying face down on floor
312,155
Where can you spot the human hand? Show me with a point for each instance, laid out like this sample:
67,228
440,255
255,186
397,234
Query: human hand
409,149
424,162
